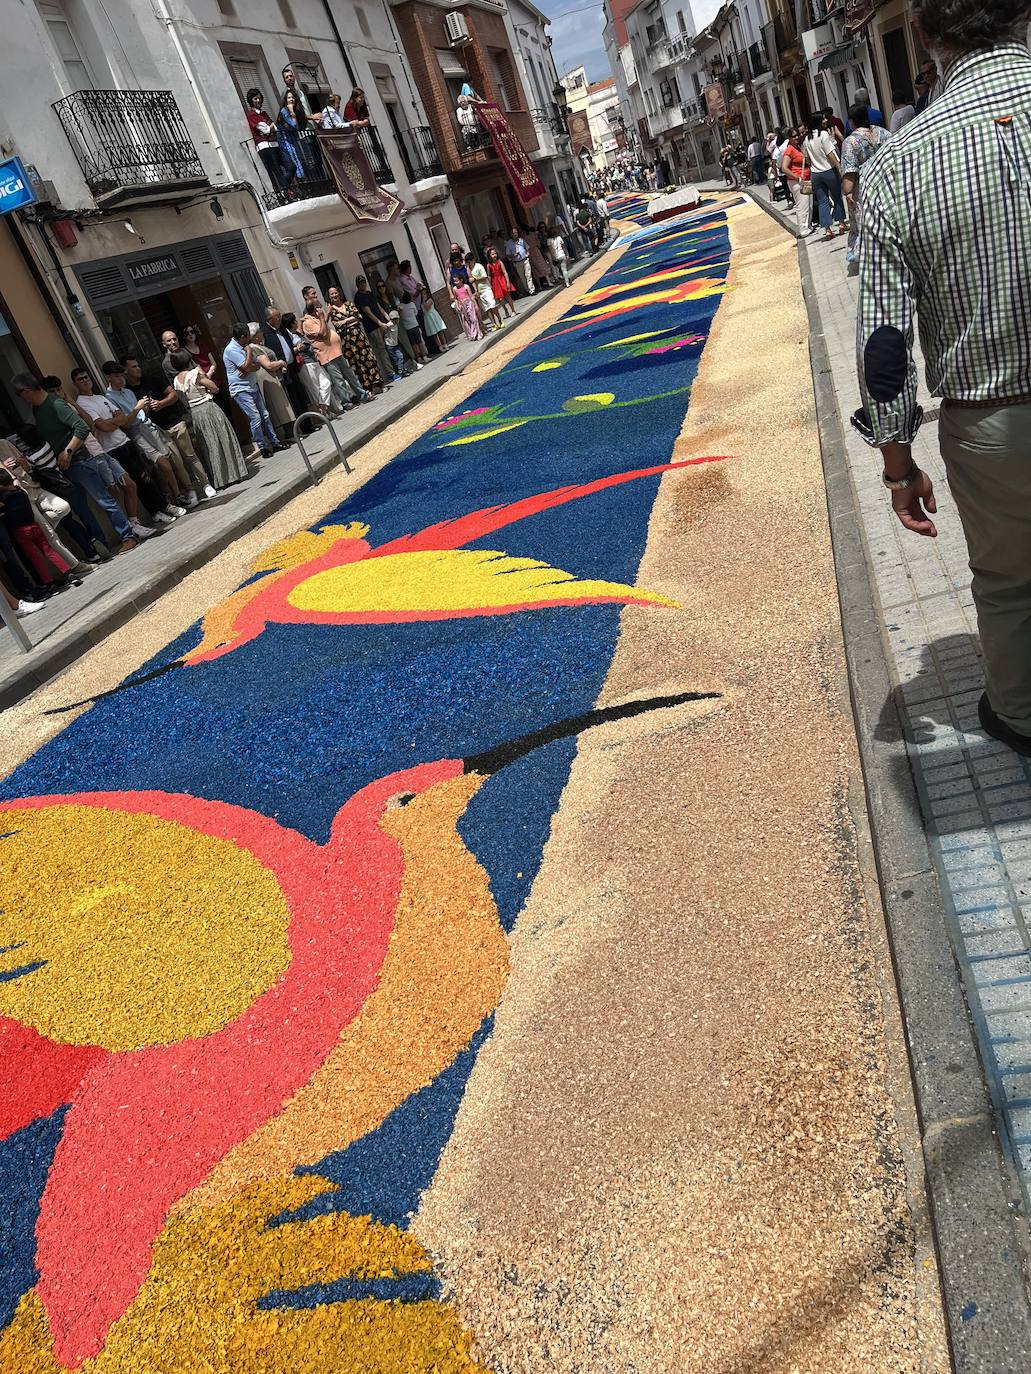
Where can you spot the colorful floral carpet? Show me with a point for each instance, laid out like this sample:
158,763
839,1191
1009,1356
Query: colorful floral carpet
256,904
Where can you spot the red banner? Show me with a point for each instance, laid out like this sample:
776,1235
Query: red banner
716,100
515,159
350,169
580,132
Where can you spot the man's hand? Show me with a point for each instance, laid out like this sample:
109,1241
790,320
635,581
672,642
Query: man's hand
915,505
64,459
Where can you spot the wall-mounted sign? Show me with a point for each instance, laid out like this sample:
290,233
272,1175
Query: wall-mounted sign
143,272
818,42
15,187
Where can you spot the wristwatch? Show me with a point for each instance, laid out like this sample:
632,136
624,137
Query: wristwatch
901,483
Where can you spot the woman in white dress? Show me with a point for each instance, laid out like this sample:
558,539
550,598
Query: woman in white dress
221,446
481,284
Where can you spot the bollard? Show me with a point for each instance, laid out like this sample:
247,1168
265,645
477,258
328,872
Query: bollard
12,622
325,420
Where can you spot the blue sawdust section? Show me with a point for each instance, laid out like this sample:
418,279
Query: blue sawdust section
292,724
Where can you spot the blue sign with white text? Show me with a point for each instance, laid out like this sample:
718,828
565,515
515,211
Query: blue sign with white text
15,187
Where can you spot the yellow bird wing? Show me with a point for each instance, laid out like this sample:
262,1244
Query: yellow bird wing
452,580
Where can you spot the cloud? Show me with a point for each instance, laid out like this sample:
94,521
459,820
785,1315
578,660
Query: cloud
577,40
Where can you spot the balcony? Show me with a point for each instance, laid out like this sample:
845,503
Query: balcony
131,145
757,61
472,142
419,154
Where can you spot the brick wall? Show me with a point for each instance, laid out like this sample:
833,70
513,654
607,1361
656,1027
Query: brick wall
422,31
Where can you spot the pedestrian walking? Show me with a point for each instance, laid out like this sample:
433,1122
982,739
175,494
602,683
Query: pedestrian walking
904,110
946,241
821,150
798,178
857,150
755,159
221,445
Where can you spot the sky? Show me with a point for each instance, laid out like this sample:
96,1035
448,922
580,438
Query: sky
577,36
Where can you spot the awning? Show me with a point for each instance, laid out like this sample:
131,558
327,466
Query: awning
840,57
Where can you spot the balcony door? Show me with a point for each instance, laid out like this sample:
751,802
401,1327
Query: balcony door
69,49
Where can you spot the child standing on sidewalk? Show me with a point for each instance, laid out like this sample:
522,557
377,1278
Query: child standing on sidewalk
409,312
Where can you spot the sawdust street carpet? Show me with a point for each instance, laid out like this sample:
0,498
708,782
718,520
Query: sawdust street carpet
449,955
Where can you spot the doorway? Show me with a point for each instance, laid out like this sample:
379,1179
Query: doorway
896,60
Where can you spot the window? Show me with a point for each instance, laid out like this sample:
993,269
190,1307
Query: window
681,24
310,76
227,9
375,262
499,69
63,37
248,68
363,21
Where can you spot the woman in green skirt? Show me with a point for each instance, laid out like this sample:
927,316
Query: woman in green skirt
221,446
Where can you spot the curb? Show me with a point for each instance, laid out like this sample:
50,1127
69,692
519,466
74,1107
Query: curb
977,1218
43,663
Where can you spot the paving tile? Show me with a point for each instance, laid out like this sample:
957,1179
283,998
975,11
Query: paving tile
975,796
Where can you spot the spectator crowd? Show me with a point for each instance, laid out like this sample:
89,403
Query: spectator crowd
113,458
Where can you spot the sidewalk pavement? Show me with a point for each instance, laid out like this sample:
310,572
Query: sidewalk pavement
974,794
82,617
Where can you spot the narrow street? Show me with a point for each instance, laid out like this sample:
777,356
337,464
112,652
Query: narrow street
448,936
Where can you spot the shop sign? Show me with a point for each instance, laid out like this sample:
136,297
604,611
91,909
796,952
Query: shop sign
152,269
818,42
15,187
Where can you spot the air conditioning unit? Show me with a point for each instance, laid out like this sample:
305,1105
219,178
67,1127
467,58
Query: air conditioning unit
456,28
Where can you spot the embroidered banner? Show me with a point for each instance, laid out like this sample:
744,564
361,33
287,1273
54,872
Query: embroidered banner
521,171
349,167
580,132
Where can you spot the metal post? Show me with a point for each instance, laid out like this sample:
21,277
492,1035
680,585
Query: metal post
12,622
324,420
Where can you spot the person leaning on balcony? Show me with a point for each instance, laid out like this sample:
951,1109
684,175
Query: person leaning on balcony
468,124
331,116
293,125
281,170
356,111
66,432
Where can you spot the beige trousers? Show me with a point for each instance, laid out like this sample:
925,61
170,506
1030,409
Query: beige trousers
988,460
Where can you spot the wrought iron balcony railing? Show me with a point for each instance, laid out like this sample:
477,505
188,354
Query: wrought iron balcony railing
302,188
419,153
373,149
473,139
129,142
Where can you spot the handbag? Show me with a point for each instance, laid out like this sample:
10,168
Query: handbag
805,188
53,481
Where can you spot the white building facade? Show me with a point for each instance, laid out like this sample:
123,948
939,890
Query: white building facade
154,208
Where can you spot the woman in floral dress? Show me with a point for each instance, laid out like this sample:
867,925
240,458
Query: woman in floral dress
343,316
860,146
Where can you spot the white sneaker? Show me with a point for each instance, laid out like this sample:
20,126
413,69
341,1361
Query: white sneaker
209,490
25,608
419,366
174,510
162,519
142,531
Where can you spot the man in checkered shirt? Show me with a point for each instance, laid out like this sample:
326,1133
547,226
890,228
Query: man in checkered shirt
946,244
